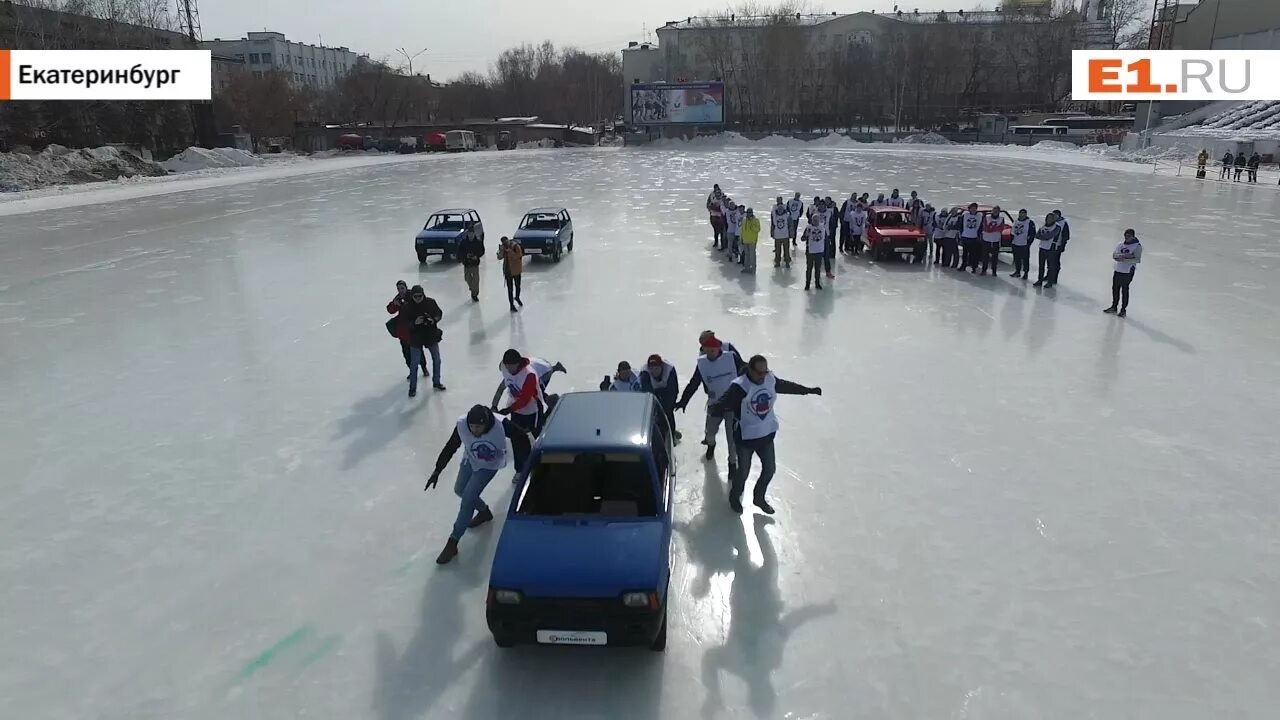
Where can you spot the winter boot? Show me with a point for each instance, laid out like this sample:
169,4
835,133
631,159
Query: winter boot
735,503
711,452
481,518
764,505
449,552
1111,310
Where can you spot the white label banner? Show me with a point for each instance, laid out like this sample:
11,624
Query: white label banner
1175,75
106,75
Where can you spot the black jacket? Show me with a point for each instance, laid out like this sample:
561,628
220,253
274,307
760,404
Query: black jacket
519,445
471,250
422,321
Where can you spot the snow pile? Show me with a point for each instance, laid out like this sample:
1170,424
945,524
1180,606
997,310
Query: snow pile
928,138
196,158
57,165
535,144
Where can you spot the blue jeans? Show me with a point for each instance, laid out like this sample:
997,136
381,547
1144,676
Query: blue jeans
762,448
415,359
468,486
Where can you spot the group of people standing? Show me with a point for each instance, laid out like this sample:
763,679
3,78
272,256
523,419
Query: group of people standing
741,396
1240,163
966,238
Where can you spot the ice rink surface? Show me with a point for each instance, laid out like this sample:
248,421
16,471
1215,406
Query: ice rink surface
1007,505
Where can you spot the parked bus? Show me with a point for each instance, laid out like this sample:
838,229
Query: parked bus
1088,125
460,141
1039,131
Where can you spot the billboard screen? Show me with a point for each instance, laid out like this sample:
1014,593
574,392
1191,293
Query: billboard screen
677,104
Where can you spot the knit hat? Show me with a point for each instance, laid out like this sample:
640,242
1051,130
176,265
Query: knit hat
711,343
655,359
511,357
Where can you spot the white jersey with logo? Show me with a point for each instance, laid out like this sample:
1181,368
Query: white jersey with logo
756,418
780,223
857,222
970,225
516,381
992,228
794,208
1021,232
736,216
1132,254
717,375
927,220
487,451
940,224
540,366
632,385
897,202
815,239
826,214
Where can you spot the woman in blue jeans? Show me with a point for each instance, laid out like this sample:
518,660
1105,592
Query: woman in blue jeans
483,436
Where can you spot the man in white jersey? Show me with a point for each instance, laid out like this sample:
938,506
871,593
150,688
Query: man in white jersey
970,234
716,370
896,200
992,233
940,221
1048,237
1024,229
624,380
927,217
1127,255
715,208
483,437
795,209
521,381
754,395
814,250
544,369
780,231
734,217
857,226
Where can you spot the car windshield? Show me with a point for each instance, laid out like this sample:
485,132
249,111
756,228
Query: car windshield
893,219
578,484
446,221
540,221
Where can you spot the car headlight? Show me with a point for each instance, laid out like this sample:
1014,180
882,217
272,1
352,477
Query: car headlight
506,597
639,599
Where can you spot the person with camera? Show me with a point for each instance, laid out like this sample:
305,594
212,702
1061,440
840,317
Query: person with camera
420,317
397,331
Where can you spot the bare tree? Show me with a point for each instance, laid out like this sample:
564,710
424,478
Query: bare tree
1124,19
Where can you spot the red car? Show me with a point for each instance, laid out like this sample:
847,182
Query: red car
892,231
1006,228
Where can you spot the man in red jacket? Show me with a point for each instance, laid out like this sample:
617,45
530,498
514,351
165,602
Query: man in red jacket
402,330
526,392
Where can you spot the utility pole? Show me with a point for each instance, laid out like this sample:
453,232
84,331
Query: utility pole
206,130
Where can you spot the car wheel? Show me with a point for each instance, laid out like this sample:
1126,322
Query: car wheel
422,258
571,243
555,253
660,642
503,641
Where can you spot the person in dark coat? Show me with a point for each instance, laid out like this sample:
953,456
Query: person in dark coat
420,317
402,333
1241,161
1255,160
471,252
660,379
1227,161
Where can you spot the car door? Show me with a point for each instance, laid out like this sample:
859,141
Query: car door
478,223
566,225
660,449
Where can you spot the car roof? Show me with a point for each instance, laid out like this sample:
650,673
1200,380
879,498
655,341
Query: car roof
453,211
545,210
600,420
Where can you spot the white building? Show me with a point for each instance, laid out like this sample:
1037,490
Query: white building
307,64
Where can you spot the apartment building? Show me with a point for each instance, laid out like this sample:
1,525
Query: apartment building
261,52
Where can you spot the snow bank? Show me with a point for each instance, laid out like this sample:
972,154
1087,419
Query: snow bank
928,138
197,158
57,165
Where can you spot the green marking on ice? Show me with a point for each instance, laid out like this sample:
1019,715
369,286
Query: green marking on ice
326,645
264,659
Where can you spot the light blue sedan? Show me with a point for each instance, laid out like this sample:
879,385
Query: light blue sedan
546,231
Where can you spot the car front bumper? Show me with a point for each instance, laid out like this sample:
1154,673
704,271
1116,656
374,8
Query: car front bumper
900,245
537,246
549,620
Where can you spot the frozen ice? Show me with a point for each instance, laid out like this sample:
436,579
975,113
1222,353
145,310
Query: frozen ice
1006,505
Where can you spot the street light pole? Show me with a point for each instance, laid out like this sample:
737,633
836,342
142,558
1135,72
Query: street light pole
409,58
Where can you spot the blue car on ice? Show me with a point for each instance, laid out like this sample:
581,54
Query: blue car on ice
585,553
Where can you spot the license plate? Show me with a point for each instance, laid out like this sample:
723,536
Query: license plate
532,251
572,637
433,251
904,249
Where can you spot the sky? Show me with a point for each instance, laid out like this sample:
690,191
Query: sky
469,35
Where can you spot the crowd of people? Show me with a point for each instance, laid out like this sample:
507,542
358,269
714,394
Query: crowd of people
1239,162
963,238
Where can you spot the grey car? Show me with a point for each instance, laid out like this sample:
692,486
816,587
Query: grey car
546,231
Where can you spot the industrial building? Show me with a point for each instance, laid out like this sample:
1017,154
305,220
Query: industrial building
262,52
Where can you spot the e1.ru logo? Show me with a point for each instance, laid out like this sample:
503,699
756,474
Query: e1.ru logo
1175,75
